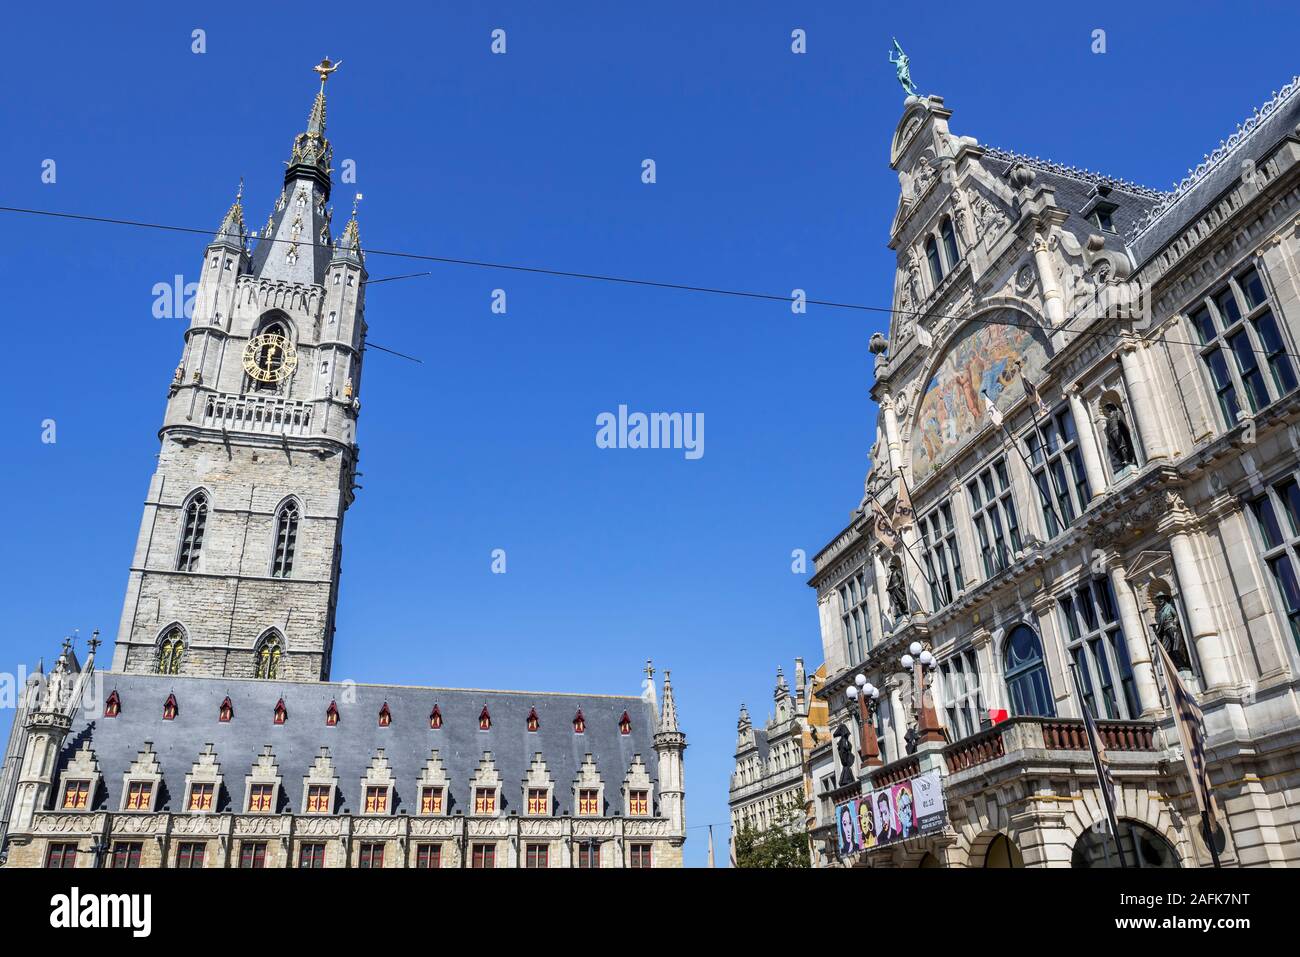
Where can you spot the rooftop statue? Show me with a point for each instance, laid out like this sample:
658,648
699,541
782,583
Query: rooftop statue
902,63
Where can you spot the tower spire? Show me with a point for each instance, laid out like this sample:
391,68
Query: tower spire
232,229
349,244
668,721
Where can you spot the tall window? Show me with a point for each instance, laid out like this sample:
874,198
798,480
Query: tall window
126,854
484,855
537,802
60,855
428,855
1026,674
268,657
372,855
1281,538
1057,466
170,652
194,520
311,856
1243,349
76,795
286,539
932,257
640,855
252,855
485,800
942,561
588,801
949,242
1098,649
853,616
200,797
189,854
589,854
993,513
961,693
536,855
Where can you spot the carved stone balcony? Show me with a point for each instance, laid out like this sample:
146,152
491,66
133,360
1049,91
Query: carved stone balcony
1046,734
265,414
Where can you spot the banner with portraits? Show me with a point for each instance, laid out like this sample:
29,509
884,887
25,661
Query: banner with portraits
889,814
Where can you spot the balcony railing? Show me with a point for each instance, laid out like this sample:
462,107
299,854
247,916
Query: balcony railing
257,413
896,771
1051,734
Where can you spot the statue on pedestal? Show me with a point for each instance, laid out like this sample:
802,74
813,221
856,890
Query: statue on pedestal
1169,632
1119,441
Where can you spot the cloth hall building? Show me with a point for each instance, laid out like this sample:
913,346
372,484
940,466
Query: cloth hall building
1138,480
218,739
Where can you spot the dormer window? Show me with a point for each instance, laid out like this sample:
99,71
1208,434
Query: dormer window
533,721
932,257
227,710
538,802
1101,216
385,716
76,795
376,799
625,724
589,801
485,800
113,706
201,796
261,799
169,708
332,715
579,723
435,718
484,720
281,712
638,803
430,800
139,796
318,798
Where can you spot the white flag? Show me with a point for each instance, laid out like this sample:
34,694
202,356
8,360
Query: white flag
994,415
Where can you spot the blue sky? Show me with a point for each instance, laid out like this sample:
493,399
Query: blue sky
772,174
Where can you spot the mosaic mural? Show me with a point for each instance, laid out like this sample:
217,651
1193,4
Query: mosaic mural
987,357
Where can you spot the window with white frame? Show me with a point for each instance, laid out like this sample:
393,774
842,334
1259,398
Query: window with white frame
1243,350
961,693
1281,541
993,514
1057,466
942,559
1099,651
853,616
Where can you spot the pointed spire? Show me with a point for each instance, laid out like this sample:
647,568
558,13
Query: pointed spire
668,720
232,228
349,244
782,689
744,724
312,152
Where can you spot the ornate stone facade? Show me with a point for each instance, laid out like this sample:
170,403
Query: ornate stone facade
1134,482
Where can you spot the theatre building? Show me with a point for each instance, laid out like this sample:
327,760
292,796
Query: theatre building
1136,481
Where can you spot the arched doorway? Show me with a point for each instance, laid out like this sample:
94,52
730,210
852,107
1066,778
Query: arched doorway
929,860
1142,847
1003,853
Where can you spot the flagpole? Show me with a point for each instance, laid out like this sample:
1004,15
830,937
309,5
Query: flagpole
1102,784
902,540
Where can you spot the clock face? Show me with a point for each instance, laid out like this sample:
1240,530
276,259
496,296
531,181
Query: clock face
269,357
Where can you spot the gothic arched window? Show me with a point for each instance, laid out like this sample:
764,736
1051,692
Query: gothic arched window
193,522
170,651
936,264
286,539
1026,675
949,242
268,657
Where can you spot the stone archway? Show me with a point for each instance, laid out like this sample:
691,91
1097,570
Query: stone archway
1002,852
1142,847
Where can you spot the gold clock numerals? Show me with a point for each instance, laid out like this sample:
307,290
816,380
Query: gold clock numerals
269,357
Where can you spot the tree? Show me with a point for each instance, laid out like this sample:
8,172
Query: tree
783,844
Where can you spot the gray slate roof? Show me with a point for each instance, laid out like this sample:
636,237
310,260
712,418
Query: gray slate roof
354,741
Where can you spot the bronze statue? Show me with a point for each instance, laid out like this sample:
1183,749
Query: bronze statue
844,745
902,65
897,588
1119,441
1169,632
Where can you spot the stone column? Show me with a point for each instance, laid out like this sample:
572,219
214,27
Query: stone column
1052,302
897,715
1132,358
891,431
1135,637
1196,602
1083,426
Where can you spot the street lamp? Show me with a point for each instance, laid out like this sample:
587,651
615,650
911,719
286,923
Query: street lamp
921,662
866,695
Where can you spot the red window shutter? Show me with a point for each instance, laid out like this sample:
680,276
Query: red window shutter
281,712
579,723
227,710
625,724
435,718
169,708
533,721
484,720
332,714
385,716
113,705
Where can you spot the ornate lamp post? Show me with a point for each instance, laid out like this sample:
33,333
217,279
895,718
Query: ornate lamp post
867,697
921,663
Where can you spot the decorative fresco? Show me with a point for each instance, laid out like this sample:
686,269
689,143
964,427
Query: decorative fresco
987,357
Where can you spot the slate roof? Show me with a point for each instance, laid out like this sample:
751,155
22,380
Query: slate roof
353,742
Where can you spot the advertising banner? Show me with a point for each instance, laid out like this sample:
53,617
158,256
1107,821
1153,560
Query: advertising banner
892,813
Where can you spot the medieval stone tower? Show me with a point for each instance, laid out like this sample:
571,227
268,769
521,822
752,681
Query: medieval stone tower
236,570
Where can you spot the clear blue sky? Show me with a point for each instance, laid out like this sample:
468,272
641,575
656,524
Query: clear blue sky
772,174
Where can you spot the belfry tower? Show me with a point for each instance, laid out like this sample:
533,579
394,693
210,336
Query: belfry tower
236,570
